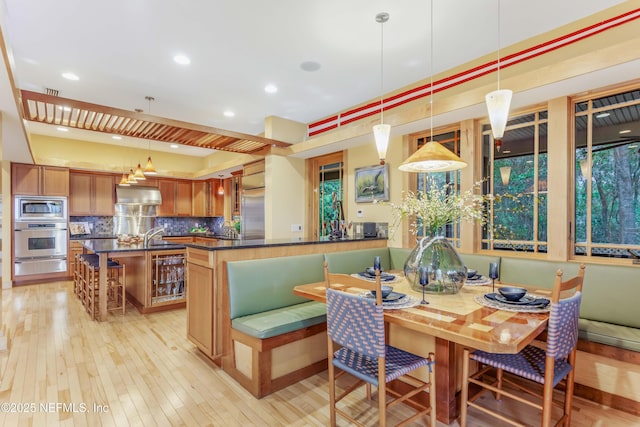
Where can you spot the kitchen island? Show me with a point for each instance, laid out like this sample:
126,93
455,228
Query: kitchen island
154,273
208,320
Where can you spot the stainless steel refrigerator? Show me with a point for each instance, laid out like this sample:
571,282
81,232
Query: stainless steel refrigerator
252,207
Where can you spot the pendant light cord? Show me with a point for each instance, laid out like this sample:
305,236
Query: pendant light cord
431,76
382,70
498,44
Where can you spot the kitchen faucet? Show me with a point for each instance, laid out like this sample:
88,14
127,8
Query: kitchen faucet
151,234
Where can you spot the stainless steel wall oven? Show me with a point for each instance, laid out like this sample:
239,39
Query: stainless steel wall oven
40,235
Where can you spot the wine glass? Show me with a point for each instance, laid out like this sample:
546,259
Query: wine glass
493,274
423,274
376,263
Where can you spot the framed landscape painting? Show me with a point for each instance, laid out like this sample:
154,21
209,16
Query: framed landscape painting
372,183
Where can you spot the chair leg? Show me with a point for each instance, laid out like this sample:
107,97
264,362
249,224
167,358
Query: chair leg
464,393
568,397
499,375
332,386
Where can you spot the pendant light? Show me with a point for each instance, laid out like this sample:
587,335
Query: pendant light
505,174
124,181
381,132
432,156
220,187
131,178
498,102
139,175
149,169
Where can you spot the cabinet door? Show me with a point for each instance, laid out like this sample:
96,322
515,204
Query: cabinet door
200,198
55,181
79,194
25,179
183,198
103,195
168,192
200,307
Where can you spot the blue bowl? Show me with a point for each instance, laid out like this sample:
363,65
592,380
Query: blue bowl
371,271
512,293
471,273
386,290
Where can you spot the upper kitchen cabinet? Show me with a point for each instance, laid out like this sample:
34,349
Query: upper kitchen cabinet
176,197
34,180
91,194
201,199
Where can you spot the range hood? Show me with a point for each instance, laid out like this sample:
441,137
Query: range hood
135,209
138,195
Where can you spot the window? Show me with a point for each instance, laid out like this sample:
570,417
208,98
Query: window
327,195
607,174
451,140
516,172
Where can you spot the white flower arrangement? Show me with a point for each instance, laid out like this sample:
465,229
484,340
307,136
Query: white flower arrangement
439,206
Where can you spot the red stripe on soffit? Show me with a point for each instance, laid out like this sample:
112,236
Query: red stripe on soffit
361,112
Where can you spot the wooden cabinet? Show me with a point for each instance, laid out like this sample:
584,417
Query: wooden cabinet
179,239
176,197
91,194
201,198
183,198
34,180
200,303
167,286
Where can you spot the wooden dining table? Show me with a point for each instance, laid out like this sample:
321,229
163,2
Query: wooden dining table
455,320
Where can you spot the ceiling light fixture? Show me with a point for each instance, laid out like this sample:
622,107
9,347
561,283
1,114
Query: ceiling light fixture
70,76
381,132
131,178
149,169
498,102
221,187
124,181
432,156
182,60
271,88
229,113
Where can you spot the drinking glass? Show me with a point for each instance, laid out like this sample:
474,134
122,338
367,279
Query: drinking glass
376,263
493,274
423,273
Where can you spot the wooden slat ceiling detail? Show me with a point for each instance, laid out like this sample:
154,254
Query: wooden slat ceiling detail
54,110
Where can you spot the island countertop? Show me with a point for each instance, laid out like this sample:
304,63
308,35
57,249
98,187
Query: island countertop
99,246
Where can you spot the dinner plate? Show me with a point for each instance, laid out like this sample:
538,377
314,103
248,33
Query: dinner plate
526,300
392,297
384,277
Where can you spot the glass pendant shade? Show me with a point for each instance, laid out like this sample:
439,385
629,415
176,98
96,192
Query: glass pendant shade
131,179
381,134
149,169
505,174
124,181
139,175
498,103
221,189
432,157
584,168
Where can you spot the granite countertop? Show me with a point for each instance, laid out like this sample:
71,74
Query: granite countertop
262,243
100,245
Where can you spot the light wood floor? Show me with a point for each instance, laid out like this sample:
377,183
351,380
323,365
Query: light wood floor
64,369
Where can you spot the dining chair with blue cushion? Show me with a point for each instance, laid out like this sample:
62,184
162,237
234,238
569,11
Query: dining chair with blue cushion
356,323
548,367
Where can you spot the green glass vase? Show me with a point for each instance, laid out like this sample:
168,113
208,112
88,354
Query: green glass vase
445,269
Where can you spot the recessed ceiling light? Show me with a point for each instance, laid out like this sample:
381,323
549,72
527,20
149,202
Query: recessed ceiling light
229,113
182,60
174,146
61,129
64,108
271,88
625,131
70,76
116,137
310,66
602,115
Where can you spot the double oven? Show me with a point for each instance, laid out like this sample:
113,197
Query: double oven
40,235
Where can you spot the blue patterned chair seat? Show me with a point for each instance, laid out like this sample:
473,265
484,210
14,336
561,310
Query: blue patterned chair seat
397,363
529,363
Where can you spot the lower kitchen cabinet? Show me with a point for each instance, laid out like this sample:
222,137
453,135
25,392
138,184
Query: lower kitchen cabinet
200,307
167,284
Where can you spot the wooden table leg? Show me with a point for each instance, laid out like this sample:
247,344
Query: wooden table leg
102,290
446,403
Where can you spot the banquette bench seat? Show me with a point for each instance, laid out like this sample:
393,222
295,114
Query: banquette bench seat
277,337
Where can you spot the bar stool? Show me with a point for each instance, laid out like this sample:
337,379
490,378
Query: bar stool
116,286
77,283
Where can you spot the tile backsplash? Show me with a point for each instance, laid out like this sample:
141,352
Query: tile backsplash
103,225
